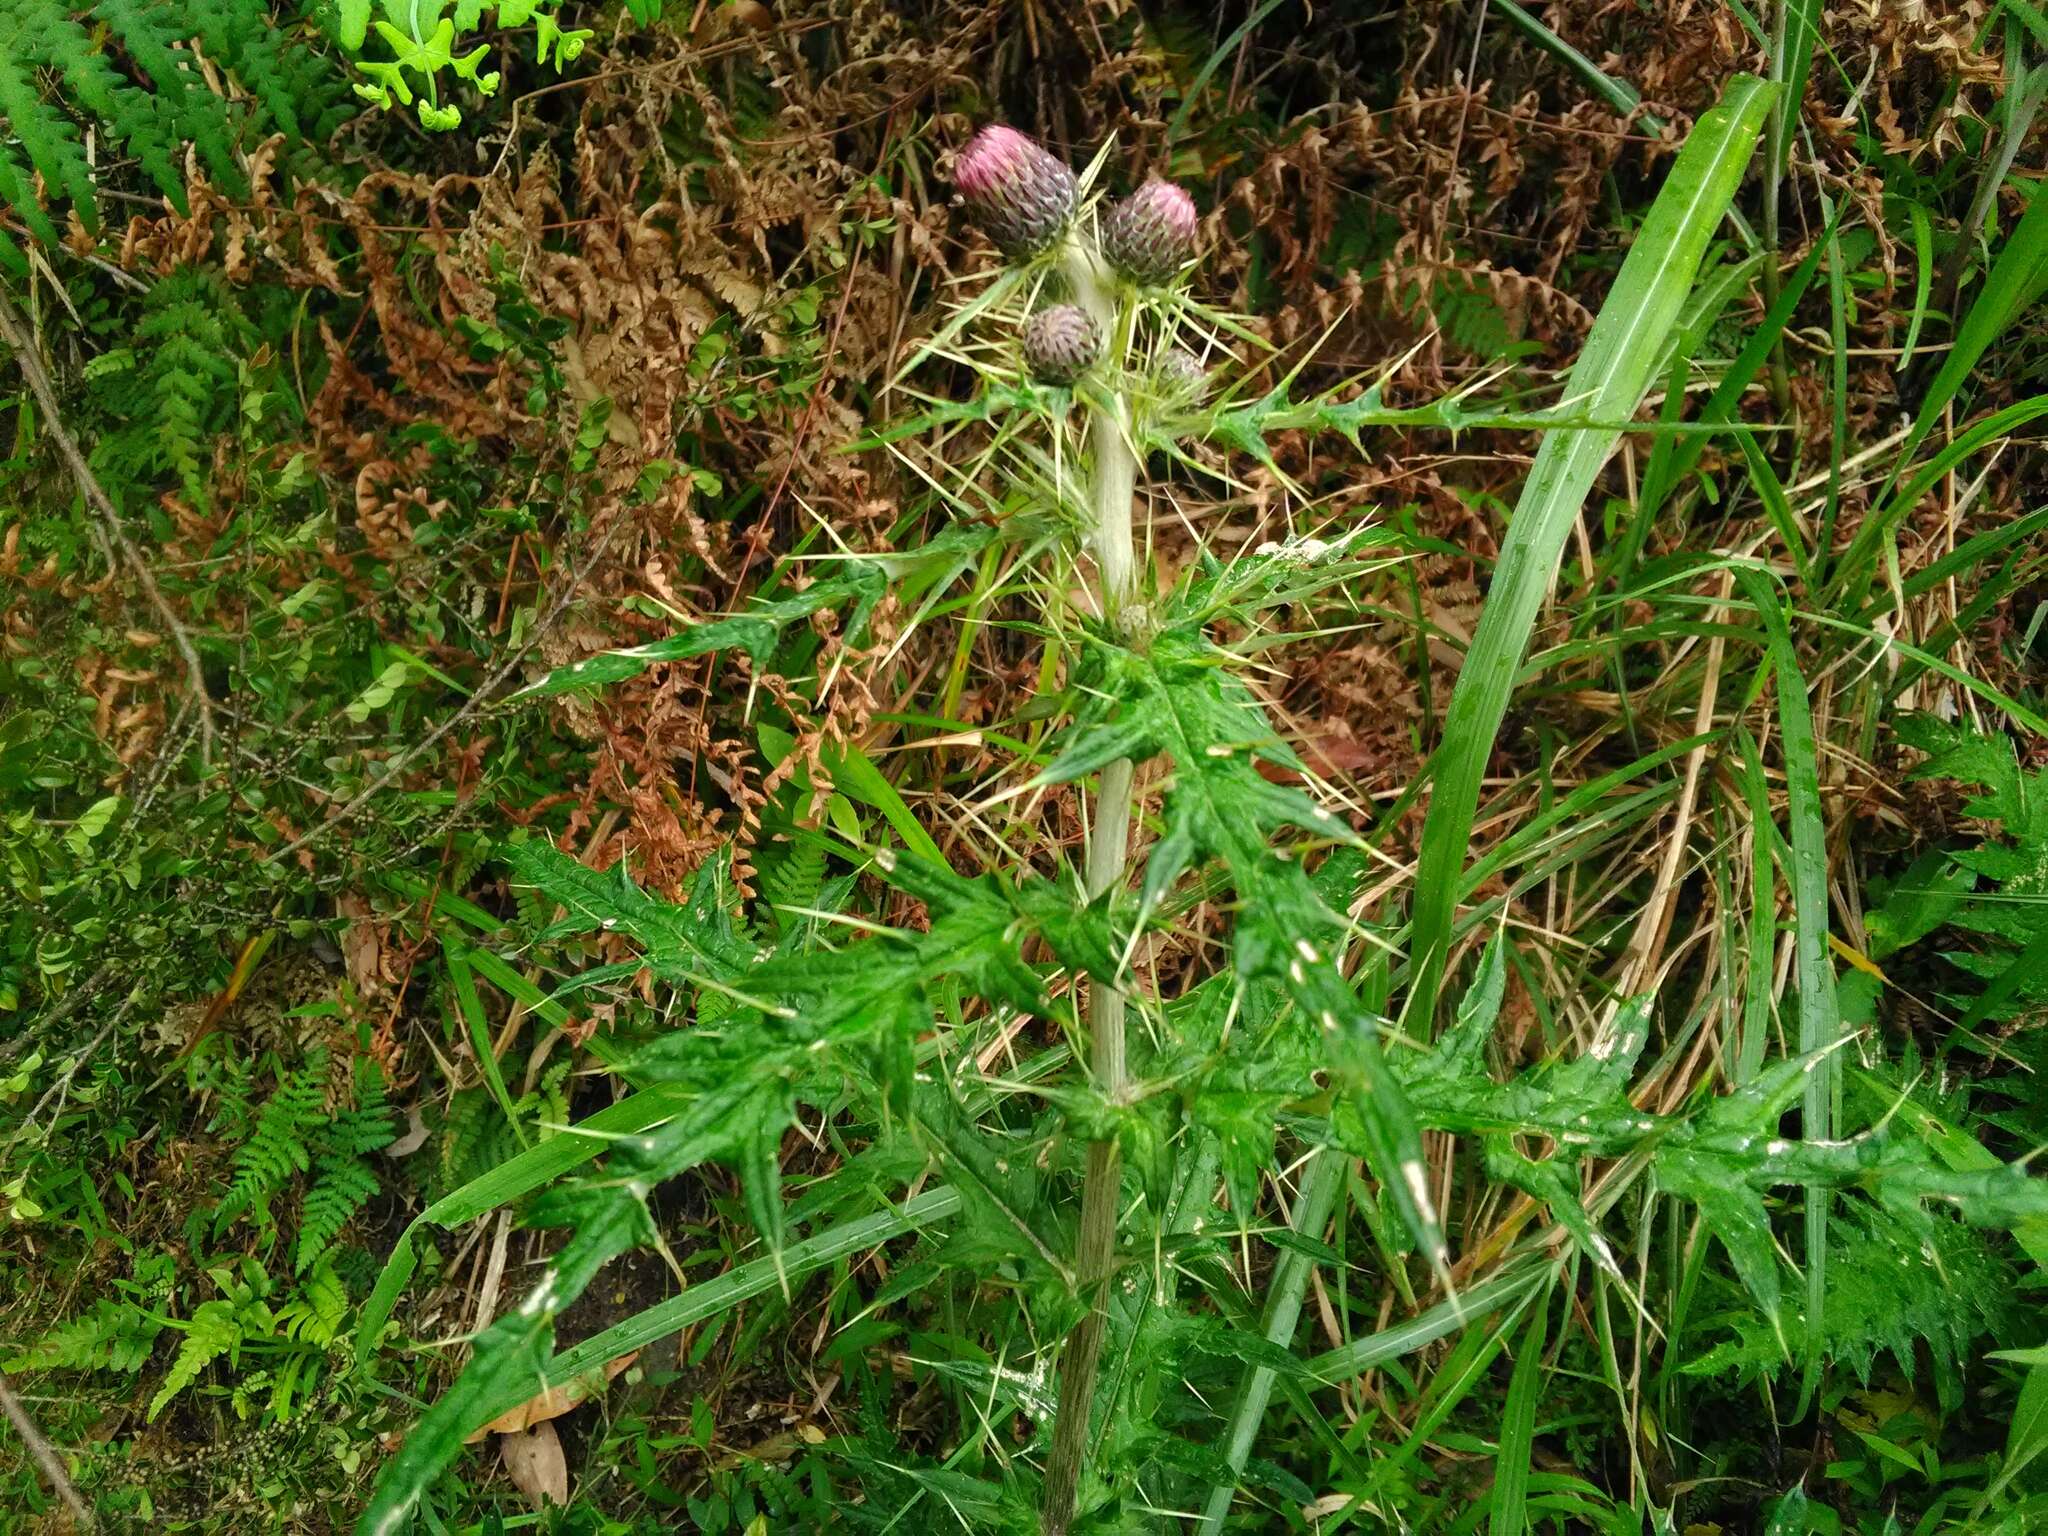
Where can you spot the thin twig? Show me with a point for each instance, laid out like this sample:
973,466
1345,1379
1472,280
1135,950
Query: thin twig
65,1006
476,701
60,1090
45,1454
15,331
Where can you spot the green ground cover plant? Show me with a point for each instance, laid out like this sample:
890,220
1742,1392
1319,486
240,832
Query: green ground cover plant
734,801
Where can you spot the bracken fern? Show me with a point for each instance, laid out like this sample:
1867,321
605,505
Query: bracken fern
342,1180
128,75
282,1143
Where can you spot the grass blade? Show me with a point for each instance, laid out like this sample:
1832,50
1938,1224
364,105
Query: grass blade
512,1376
756,1277
1614,371
1518,1429
1748,1058
1663,476
516,1176
1319,1185
1860,560
1820,1019
2018,278
1618,94
1424,1329
1923,281
471,1007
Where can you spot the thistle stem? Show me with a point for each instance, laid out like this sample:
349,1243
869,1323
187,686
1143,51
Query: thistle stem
1114,475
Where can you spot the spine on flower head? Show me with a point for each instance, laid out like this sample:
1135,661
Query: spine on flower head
1022,195
1061,343
1150,235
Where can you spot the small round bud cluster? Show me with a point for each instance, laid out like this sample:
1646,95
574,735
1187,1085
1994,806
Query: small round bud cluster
1180,378
1061,343
1022,195
1150,235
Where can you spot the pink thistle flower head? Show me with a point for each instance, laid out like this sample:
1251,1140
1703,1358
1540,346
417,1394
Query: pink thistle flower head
1061,343
1021,194
1150,235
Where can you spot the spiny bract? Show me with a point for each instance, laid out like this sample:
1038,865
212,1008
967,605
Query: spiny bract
1150,235
1061,343
1021,194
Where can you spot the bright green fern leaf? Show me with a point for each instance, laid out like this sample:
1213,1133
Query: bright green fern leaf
281,1144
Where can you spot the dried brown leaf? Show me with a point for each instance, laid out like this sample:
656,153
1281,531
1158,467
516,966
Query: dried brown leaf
536,1465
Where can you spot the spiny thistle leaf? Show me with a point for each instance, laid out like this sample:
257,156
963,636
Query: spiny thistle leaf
859,582
1178,698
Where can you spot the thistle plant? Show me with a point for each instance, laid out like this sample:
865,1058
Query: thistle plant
966,1071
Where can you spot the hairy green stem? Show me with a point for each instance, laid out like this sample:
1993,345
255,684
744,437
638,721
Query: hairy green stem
1114,476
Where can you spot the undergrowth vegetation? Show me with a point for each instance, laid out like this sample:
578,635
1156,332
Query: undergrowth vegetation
1076,769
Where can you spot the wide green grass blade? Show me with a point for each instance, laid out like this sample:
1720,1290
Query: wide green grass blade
1861,558
756,1277
1838,380
1177,129
1618,94
1748,1056
1820,1018
481,1397
1505,1289
1667,469
1923,281
1795,29
1518,1430
1770,491
1320,1183
2017,280
1612,375
470,1006
516,1176
2024,973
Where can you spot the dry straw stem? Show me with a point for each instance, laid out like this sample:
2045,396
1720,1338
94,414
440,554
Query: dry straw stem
15,331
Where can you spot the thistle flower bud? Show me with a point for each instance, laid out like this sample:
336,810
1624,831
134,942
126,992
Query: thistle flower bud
1179,377
1061,343
1150,235
1022,195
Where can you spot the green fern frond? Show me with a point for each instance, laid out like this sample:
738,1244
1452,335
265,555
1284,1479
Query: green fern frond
240,34
355,1132
215,1330
132,117
281,1143
52,141
340,1189
170,104
17,190
342,1182
176,388
792,878
476,1137
113,1336
152,32
316,1314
